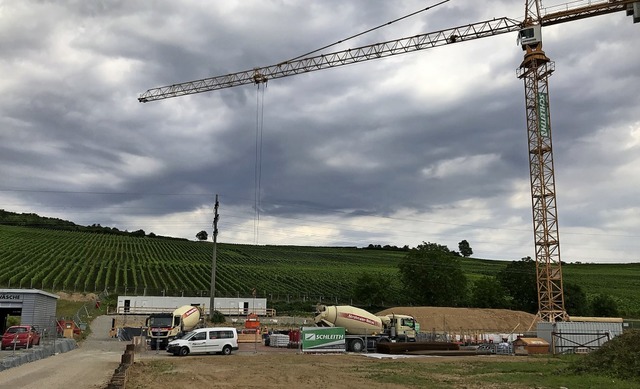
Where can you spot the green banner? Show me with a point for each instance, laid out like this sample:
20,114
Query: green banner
323,339
543,115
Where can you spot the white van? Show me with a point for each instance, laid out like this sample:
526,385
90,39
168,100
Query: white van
205,340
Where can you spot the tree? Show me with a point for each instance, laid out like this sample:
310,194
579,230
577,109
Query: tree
603,305
218,317
487,292
139,233
202,235
465,249
373,289
432,275
575,300
519,279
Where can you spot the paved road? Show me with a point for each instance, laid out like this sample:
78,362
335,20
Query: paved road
89,366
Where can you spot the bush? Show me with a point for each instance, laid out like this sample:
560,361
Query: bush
618,358
13,321
218,317
294,308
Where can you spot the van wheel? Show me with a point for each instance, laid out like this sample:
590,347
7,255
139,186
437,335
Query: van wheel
226,350
357,345
184,351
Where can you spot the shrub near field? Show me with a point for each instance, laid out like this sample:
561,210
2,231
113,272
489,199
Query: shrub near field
91,262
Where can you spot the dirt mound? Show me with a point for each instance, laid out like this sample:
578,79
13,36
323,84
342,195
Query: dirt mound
465,320
77,296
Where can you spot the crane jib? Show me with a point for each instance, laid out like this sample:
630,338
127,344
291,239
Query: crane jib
385,49
344,57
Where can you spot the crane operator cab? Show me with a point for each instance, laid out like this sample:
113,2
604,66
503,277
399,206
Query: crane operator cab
530,36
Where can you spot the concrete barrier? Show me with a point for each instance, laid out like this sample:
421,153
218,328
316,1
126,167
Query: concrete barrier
38,352
119,378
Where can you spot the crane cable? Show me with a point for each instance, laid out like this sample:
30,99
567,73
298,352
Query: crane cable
258,161
368,31
260,117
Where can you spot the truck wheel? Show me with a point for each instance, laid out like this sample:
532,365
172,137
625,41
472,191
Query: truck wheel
184,351
226,350
357,345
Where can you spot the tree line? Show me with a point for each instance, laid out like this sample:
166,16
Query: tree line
36,221
431,275
463,246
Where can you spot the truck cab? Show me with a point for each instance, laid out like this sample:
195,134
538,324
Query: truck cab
160,326
164,327
401,327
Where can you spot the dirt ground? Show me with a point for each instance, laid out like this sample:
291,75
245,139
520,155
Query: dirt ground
256,366
268,367
89,366
93,363
77,296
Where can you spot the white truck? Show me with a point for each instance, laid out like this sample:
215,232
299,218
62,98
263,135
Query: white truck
164,327
363,329
205,340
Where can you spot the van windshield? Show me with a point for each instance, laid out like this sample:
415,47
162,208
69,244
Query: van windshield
188,335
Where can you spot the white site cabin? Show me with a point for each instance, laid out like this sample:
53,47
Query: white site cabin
140,305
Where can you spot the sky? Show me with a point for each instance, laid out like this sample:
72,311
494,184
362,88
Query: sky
429,146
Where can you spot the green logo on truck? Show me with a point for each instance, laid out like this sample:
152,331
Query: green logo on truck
323,339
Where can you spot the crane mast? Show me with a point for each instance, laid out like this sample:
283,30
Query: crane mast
535,70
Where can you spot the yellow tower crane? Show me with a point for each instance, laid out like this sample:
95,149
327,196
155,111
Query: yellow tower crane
534,70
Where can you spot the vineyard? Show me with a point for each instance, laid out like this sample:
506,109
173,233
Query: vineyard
73,261
88,262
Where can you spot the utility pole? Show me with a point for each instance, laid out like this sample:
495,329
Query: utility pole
212,292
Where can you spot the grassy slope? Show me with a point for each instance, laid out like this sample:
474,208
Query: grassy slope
86,262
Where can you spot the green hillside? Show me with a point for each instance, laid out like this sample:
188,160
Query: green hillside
80,261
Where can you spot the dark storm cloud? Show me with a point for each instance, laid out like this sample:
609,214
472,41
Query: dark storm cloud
423,146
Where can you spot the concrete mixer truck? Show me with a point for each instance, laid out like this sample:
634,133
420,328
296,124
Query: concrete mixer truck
363,329
164,327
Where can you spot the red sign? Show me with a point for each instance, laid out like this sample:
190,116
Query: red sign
360,319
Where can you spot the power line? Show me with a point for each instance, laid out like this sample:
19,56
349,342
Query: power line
367,31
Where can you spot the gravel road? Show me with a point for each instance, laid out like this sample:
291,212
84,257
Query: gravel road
91,365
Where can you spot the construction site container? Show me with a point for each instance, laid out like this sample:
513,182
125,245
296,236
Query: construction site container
571,337
531,346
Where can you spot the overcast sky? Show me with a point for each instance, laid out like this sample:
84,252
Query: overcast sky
427,146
